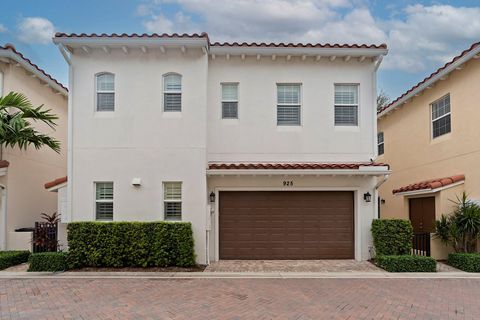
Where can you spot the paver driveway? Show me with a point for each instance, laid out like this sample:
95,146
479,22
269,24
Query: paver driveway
52,298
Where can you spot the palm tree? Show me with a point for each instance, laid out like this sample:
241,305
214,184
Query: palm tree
17,115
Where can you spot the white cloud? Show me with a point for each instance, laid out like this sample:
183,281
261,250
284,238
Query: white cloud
2,28
35,30
418,36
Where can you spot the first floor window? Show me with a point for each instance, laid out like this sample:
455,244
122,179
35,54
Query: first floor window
441,121
229,101
288,104
381,145
172,201
104,200
346,105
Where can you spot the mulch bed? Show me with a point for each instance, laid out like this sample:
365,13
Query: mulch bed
197,268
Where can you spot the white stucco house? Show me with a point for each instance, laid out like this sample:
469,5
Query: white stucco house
267,149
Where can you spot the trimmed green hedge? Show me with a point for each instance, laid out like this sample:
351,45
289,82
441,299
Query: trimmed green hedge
469,262
130,244
392,236
12,258
48,261
406,263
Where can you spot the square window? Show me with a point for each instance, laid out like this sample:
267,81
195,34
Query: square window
288,105
346,105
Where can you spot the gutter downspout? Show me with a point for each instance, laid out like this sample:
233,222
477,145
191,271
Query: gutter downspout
68,59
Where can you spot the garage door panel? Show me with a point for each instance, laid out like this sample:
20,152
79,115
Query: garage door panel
286,225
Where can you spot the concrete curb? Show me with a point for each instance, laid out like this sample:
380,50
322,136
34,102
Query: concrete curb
236,275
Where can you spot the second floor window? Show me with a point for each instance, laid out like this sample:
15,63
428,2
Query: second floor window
104,201
346,105
288,104
441,122
381,144
105,83
229,101
172,92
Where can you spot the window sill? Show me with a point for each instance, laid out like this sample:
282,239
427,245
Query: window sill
172,114
230,121
442,138
289,128
104,114
347,128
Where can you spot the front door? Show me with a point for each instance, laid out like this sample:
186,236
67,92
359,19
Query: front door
422,214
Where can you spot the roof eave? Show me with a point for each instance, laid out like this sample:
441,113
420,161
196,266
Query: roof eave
428,190
6,53
123,41
340,52
363,170
430,81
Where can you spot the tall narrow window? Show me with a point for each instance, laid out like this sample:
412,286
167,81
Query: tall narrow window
381,145
172,200
229,101
172,92
346,105
441,122
104,200
105,83
288,104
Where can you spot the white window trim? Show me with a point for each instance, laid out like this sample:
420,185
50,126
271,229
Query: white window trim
347,105
102,201
381,143
172,200
172,91
222,100
104,91
440,117
300,105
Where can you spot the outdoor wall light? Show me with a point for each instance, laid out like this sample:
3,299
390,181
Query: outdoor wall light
212,197
367,197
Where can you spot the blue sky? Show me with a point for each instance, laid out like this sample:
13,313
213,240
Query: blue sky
421,35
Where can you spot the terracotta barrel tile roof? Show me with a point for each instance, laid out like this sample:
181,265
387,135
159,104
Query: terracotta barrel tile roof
131,35
289,166
4,164
431,184
55,182
439,70
9,46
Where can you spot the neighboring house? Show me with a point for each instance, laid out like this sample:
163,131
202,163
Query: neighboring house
265,148
23,173
430,137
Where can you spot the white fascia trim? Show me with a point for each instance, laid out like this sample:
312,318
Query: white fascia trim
3,172
58,186
13,56
425,191
356,52
431,81
317,172
119,42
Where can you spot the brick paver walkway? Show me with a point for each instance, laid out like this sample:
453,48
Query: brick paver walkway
53,298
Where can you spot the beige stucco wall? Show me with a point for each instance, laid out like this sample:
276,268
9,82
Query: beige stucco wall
30,169
414,156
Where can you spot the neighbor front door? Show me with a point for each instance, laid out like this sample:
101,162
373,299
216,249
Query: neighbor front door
422,214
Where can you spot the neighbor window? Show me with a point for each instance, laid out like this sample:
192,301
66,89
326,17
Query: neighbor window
346,105
288,104
105,83
172,92
441,122
381,145
172,200
104,200
229,100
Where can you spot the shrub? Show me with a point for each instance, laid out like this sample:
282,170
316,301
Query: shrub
406,263
12,258
48,261
469,262
130,244
392,237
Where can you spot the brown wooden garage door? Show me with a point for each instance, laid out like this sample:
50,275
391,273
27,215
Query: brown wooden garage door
286,225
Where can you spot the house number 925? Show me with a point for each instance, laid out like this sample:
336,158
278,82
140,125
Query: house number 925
288,183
